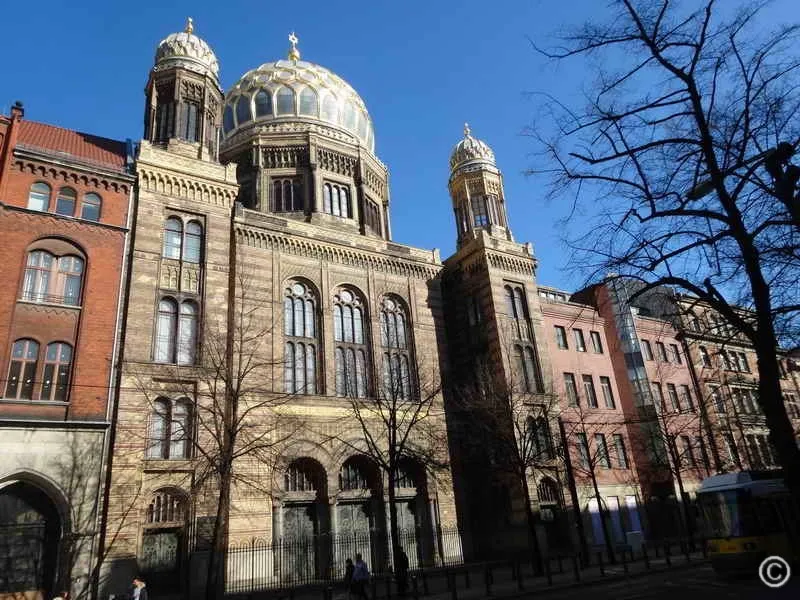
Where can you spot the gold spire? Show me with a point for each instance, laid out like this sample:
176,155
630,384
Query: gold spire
294,53
467,131
189,25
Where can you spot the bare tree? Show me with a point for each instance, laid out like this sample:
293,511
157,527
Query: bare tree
403,421
687,106
238,428
518,421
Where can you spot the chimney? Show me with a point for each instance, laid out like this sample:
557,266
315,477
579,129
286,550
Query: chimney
17,111
9,141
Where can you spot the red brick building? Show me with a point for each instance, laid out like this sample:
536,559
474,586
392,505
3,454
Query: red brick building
64,205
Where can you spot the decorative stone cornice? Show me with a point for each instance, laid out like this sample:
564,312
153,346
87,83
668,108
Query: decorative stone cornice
169,183
328,252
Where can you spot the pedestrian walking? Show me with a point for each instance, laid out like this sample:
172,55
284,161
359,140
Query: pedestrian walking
348,577
401,571
139,589
360,578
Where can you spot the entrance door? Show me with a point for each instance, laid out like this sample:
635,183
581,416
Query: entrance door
299,551
407,525
30,531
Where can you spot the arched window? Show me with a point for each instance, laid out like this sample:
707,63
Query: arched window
173,238
243,114
285,101
169,434
308,102
51,279
65,201
193,242
363,122
351,352
55,380
263,102
548,491
301,476
541,442
22,370
404,477
349,117
336,200
353,475
90,207
479,213
517,308
526,376
167,507
287,194
300,331
39,196
165,330
227,119
330,110
397,372
187,333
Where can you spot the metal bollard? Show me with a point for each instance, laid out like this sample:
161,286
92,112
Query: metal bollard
520,582
487,579
704,548
625,561
414,587
667,554
388,581
467,581
687,552
600,562
645,557
548,572
576,571
513,571
425,590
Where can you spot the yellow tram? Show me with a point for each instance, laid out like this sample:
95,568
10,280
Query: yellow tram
747,516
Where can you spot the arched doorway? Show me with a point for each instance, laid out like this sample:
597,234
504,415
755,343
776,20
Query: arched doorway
164,538
30,535
359,513
304,547
551,514
413,515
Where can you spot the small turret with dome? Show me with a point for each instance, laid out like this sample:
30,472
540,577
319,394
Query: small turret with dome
476,189
184,97
304,146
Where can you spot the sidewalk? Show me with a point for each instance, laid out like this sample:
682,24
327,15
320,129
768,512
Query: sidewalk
470,581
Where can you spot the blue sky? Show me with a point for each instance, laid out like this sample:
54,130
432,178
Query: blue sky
422,67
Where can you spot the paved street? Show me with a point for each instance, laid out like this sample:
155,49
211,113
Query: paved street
682,584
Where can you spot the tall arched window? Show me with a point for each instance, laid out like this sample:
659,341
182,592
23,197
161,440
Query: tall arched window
22,370
330,110
90,207
173,238
263,102
336,200
548,492
169,434
351,353
526,363
166,507
187,333
39,196
65,201
397,370
300,331
193,242
243,114
308,102
541,442
55,379
287,194
353,475
51,279
302,476
285,101
165,330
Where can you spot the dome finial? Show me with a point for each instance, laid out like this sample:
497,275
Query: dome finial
294,53
467,130
189,25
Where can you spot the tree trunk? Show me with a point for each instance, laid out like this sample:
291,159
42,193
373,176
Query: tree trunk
394,535
215,573
536,551
603,519
573,491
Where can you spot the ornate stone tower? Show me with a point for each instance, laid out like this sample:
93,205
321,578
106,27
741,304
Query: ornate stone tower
304,147
476,188
495,339
184,99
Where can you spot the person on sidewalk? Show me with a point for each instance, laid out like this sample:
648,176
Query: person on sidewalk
139,589
401,571
360,578
348,577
